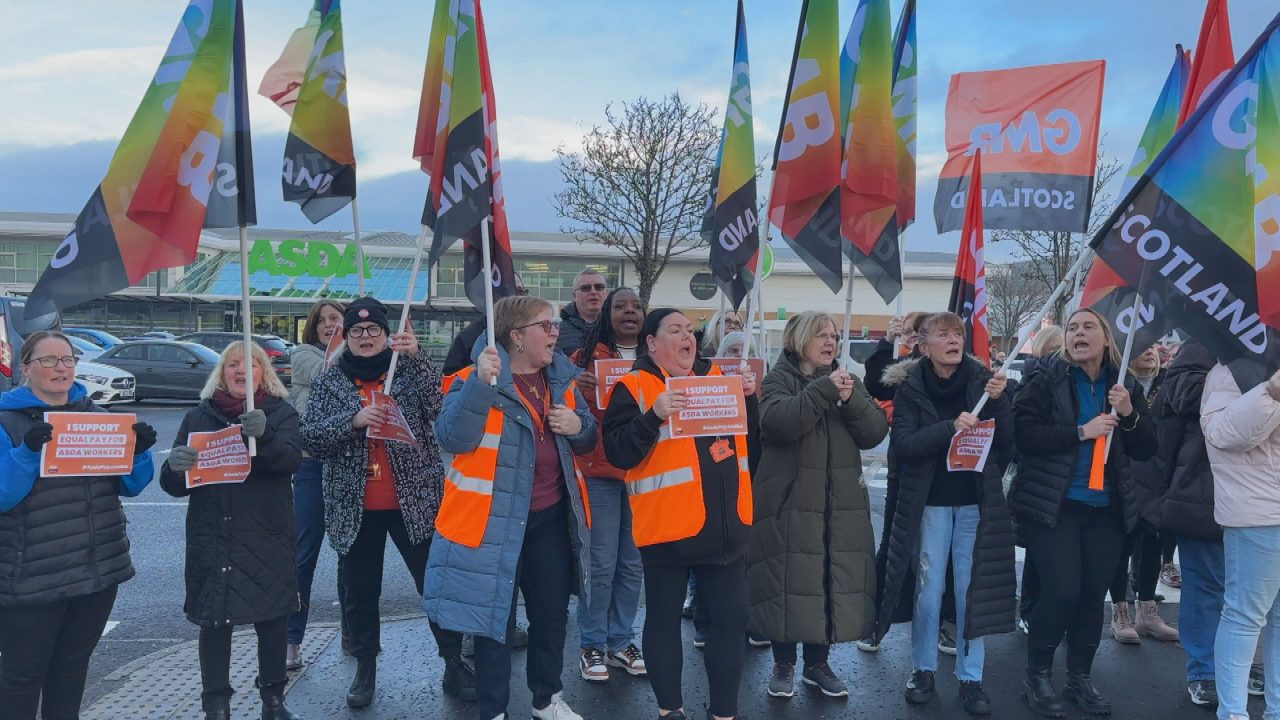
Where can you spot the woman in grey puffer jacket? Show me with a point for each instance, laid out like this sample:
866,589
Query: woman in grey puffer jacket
375,488
307,362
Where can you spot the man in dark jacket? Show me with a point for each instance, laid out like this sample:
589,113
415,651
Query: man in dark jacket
1185,507
460,349
578,317
943,514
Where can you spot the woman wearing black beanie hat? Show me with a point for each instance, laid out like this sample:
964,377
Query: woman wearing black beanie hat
378,488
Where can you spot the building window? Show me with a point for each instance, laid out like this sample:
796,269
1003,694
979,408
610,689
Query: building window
549,279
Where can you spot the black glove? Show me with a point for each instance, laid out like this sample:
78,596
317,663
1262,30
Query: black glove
146,437
37,436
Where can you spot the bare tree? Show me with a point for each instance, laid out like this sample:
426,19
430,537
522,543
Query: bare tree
1013,297
1051,254
640,182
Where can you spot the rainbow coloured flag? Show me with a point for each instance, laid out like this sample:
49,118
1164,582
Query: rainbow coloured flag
457,145
1213,57
869,183
1198,236
182,164
309,82
804,203
904,112
1103,290
730,226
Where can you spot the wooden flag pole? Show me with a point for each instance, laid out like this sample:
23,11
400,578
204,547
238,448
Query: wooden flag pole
246,323
487,254
355,225
408,303
1031,326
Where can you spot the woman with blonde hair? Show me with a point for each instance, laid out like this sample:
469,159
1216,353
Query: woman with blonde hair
811,554
240,536
1075,528
514,514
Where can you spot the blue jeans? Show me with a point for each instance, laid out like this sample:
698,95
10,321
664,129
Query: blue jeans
1201,606
308,511
607,622
1252,601
945,530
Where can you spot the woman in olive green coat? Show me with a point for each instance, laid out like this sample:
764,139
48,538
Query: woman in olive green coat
811,557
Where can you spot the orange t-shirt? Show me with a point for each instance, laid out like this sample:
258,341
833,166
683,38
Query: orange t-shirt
379,486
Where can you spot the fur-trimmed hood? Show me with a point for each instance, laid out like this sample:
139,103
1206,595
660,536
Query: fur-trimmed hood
896,374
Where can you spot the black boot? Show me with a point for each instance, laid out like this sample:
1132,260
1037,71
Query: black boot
273,707
459,680
1037,688
361,692
1080,690
216,708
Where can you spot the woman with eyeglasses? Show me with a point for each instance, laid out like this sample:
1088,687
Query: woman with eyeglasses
241,552
720,325
375,488
810,563
63,547
605,623
514,514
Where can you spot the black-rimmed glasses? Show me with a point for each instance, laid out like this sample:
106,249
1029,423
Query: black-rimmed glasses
372,331
53,361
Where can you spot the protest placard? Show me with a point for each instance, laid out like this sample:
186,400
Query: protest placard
733,366
88,444
970,448
713,406
608,372
396,428
222,457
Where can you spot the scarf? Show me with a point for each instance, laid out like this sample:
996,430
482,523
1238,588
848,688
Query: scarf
947,394
233,407
365,369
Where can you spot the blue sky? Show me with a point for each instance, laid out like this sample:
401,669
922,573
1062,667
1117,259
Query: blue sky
72,72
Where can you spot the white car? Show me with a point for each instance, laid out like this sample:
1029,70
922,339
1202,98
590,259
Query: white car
106,385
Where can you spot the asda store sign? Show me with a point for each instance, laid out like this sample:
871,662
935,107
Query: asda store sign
297,258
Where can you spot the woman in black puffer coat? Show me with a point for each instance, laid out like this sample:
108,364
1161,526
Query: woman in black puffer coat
1075,531
241,541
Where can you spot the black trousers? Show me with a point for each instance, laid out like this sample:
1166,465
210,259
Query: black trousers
361,581
1075,562
46,650
215,658
545,574
1145,549
1030,587
723,590
785,654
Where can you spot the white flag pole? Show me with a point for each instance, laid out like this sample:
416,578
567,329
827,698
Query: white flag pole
1124,363
846,357
1031,326
897,303
487,254
355,225
408,303
246,324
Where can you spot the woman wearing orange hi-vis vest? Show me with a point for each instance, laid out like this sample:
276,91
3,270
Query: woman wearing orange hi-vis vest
690,512
514,513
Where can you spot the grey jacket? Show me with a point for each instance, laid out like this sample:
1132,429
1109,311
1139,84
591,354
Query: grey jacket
417,471
306,363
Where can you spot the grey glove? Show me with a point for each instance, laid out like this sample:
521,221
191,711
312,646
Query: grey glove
182,458
254,423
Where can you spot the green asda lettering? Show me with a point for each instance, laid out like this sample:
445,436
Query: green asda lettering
298,257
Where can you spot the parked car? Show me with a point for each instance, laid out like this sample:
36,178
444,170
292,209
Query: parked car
106,385
14,327
85,350
272,345
163,368
101,338
159,335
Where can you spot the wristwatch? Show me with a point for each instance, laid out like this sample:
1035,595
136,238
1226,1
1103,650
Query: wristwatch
1080,432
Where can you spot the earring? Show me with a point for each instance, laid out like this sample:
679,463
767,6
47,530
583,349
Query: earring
519,347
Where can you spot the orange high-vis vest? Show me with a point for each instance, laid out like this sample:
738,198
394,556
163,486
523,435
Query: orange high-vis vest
468,483
665,489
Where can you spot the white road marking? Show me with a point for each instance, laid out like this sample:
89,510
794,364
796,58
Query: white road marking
154,504
111,625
